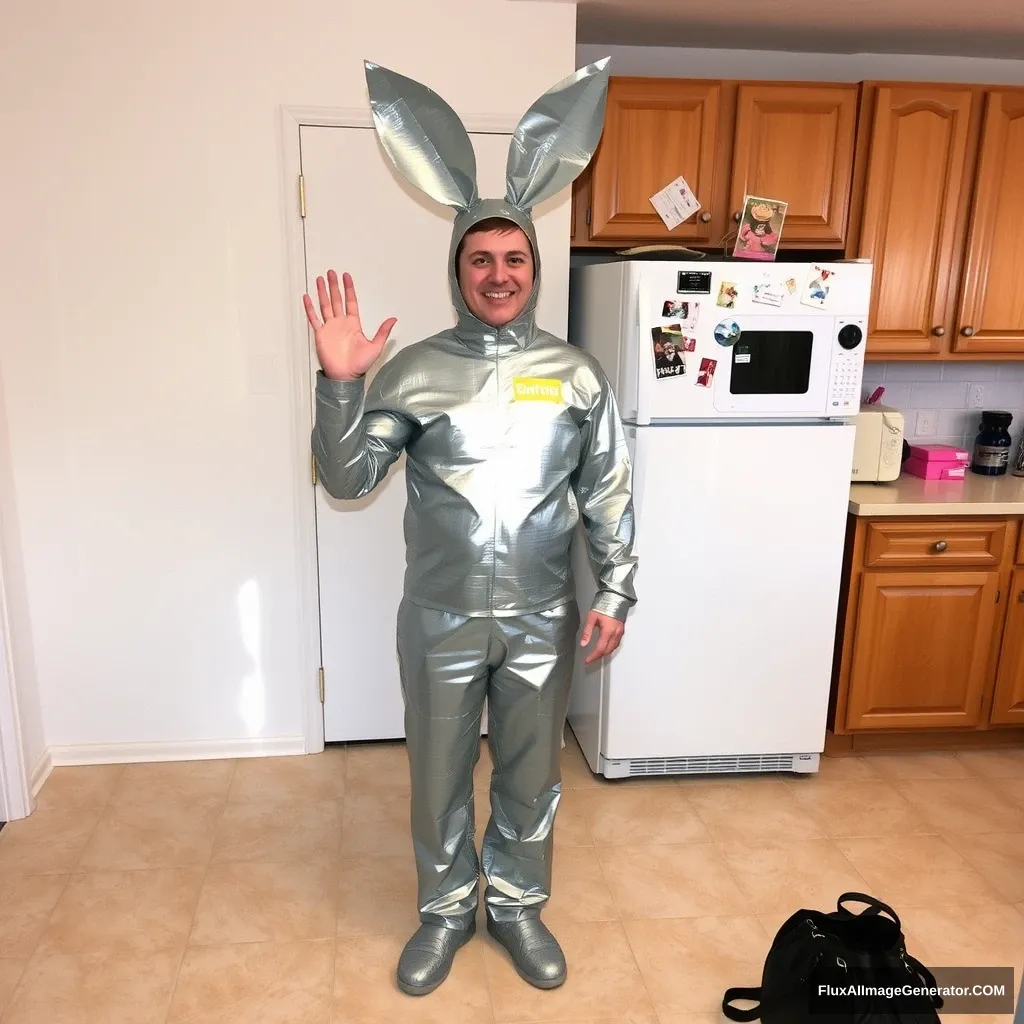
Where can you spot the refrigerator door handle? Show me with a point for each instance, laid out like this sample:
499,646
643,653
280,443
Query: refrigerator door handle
644,353
639,482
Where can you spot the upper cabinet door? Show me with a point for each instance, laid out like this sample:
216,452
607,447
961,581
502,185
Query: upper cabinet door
654,131
991,317
795,142
911,224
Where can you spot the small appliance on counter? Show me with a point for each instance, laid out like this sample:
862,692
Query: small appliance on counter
938,461
878,446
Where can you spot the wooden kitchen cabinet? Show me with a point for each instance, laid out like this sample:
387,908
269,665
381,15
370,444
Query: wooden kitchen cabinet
990,315
938,208
1008,700
795,142
921,655
930,637
915,190
655,130
788,141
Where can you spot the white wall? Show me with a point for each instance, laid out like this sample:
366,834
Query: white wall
143,275
774,65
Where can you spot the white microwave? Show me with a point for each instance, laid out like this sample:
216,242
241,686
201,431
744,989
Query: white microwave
726,339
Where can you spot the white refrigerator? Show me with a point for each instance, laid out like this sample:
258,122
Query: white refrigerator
737,381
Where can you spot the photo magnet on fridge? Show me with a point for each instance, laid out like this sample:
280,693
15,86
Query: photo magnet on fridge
760,228
669,360
727,294
684,311
706,373
819,281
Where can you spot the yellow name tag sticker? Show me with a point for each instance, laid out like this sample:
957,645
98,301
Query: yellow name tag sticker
537,389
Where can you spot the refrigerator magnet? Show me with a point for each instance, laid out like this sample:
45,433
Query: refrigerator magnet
727,332
706,373
669,360
819,281
684,311
688,343
727,294
768,294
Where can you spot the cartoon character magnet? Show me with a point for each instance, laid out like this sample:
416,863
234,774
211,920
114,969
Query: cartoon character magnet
760,228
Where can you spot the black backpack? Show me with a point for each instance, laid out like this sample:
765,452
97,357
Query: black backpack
816,958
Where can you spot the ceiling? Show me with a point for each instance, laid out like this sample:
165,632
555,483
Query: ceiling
979,28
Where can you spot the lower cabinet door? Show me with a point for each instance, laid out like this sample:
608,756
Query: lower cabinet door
923,649
1008,701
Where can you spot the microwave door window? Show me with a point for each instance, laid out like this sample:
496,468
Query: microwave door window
771,363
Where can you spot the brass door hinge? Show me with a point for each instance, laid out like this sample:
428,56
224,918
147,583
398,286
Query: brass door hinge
302,196
312,460
321,684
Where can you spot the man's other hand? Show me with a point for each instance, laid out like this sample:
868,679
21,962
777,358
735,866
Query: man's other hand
609,630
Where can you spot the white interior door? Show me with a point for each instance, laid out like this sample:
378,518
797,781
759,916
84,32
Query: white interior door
362,217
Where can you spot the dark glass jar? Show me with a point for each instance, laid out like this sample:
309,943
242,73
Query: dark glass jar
992,445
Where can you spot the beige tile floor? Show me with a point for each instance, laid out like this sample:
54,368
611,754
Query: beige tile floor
281,890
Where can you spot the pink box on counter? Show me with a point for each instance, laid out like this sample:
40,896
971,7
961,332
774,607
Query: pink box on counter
935,469
942,453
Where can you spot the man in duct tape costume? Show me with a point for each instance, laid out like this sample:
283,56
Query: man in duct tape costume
511,436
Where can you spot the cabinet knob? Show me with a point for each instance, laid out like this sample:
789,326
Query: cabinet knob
1020,597
966,331
938,331
738,216
705,216
940,545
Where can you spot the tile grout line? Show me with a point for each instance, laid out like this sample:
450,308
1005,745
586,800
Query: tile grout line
34,956
199,893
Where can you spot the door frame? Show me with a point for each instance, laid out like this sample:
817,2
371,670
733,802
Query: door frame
299,366
15,796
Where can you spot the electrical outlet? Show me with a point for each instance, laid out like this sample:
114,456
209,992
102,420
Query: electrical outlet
925,426
976,396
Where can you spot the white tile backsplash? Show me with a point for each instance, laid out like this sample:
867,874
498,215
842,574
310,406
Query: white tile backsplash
946,390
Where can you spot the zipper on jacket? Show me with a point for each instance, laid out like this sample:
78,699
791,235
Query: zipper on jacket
494,513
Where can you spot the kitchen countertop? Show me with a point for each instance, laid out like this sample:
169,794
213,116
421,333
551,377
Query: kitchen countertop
913,496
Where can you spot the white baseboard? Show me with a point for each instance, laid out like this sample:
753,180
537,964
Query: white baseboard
187,750
40,773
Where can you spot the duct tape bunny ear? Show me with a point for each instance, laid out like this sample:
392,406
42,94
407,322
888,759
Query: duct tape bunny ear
557,136
423,137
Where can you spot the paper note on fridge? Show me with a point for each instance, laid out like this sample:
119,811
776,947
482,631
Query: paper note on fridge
675,203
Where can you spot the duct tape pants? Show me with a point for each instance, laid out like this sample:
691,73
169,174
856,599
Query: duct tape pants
523,665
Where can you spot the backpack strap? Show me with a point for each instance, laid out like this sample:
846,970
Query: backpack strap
875,906
754,1013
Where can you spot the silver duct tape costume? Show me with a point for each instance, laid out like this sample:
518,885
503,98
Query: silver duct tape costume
510,436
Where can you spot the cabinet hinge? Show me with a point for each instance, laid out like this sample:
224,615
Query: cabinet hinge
312,462
302,196
999,594
588,214
321,684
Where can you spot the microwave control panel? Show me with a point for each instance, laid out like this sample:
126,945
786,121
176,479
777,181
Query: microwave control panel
847,367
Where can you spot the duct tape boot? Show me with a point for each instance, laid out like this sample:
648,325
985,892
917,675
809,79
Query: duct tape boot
428,956
535,952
